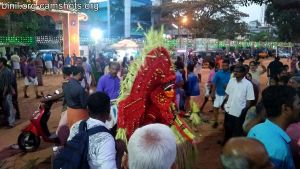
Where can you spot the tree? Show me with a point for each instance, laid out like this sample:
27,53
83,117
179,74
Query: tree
284,14
28,24
261,37
279,4
286,21
206,18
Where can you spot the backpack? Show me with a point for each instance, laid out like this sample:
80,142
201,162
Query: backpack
74,154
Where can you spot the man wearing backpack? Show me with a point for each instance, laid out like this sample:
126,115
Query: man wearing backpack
101,146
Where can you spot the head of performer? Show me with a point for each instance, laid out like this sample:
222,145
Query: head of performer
169,90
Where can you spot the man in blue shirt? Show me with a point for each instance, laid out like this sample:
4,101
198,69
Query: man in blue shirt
282,106
179,82
219,84
192,82
193,91
68,61
48,58
110,83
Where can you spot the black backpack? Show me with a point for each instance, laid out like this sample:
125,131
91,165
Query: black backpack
74,154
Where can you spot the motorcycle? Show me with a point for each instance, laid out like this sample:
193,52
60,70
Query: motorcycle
30,137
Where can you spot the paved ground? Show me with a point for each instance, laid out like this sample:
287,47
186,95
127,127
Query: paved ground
209,149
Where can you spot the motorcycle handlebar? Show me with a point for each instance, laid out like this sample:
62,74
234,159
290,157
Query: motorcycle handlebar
50,98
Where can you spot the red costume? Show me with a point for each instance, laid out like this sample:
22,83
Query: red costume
147,100
147,96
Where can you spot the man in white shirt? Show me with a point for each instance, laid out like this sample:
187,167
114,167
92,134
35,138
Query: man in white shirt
102,151
15,58
198,67
239,93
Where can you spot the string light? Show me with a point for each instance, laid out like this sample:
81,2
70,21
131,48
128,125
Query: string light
32,41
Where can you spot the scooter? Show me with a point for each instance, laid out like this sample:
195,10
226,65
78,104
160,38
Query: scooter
29,139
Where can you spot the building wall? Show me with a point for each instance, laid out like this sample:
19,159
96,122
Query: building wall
127,18
123,20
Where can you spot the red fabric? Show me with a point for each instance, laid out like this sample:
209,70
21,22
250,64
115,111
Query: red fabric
139,108
160,109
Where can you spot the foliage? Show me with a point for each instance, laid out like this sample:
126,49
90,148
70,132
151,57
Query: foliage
206,17
231,28
30,24
260,2
279,4
286,21
284,14
261,37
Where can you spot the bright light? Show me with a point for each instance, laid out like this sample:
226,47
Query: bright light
96,34
181,50
184,19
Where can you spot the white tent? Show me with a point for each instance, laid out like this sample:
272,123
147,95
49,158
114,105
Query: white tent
125,44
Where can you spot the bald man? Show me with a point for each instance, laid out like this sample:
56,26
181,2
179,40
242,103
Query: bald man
245,153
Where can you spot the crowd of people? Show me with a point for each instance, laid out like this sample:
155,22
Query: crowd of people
33,68
260,125
269,115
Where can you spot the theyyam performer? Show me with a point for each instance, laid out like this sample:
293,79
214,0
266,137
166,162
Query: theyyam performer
147,96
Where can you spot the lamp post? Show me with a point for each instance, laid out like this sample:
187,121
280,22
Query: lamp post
182,21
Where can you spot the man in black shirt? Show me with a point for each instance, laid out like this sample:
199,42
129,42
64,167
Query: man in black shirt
76,97
274,68
6,93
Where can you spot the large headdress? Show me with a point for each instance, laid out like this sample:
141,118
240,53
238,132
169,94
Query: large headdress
143,89
152,69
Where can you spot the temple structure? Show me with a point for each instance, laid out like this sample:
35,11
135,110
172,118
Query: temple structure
70,22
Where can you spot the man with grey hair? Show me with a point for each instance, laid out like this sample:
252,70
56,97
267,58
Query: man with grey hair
245,153
152,147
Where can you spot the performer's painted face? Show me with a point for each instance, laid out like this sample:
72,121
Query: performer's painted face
169,91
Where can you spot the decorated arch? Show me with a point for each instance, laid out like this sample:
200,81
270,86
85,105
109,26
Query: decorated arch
69,19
